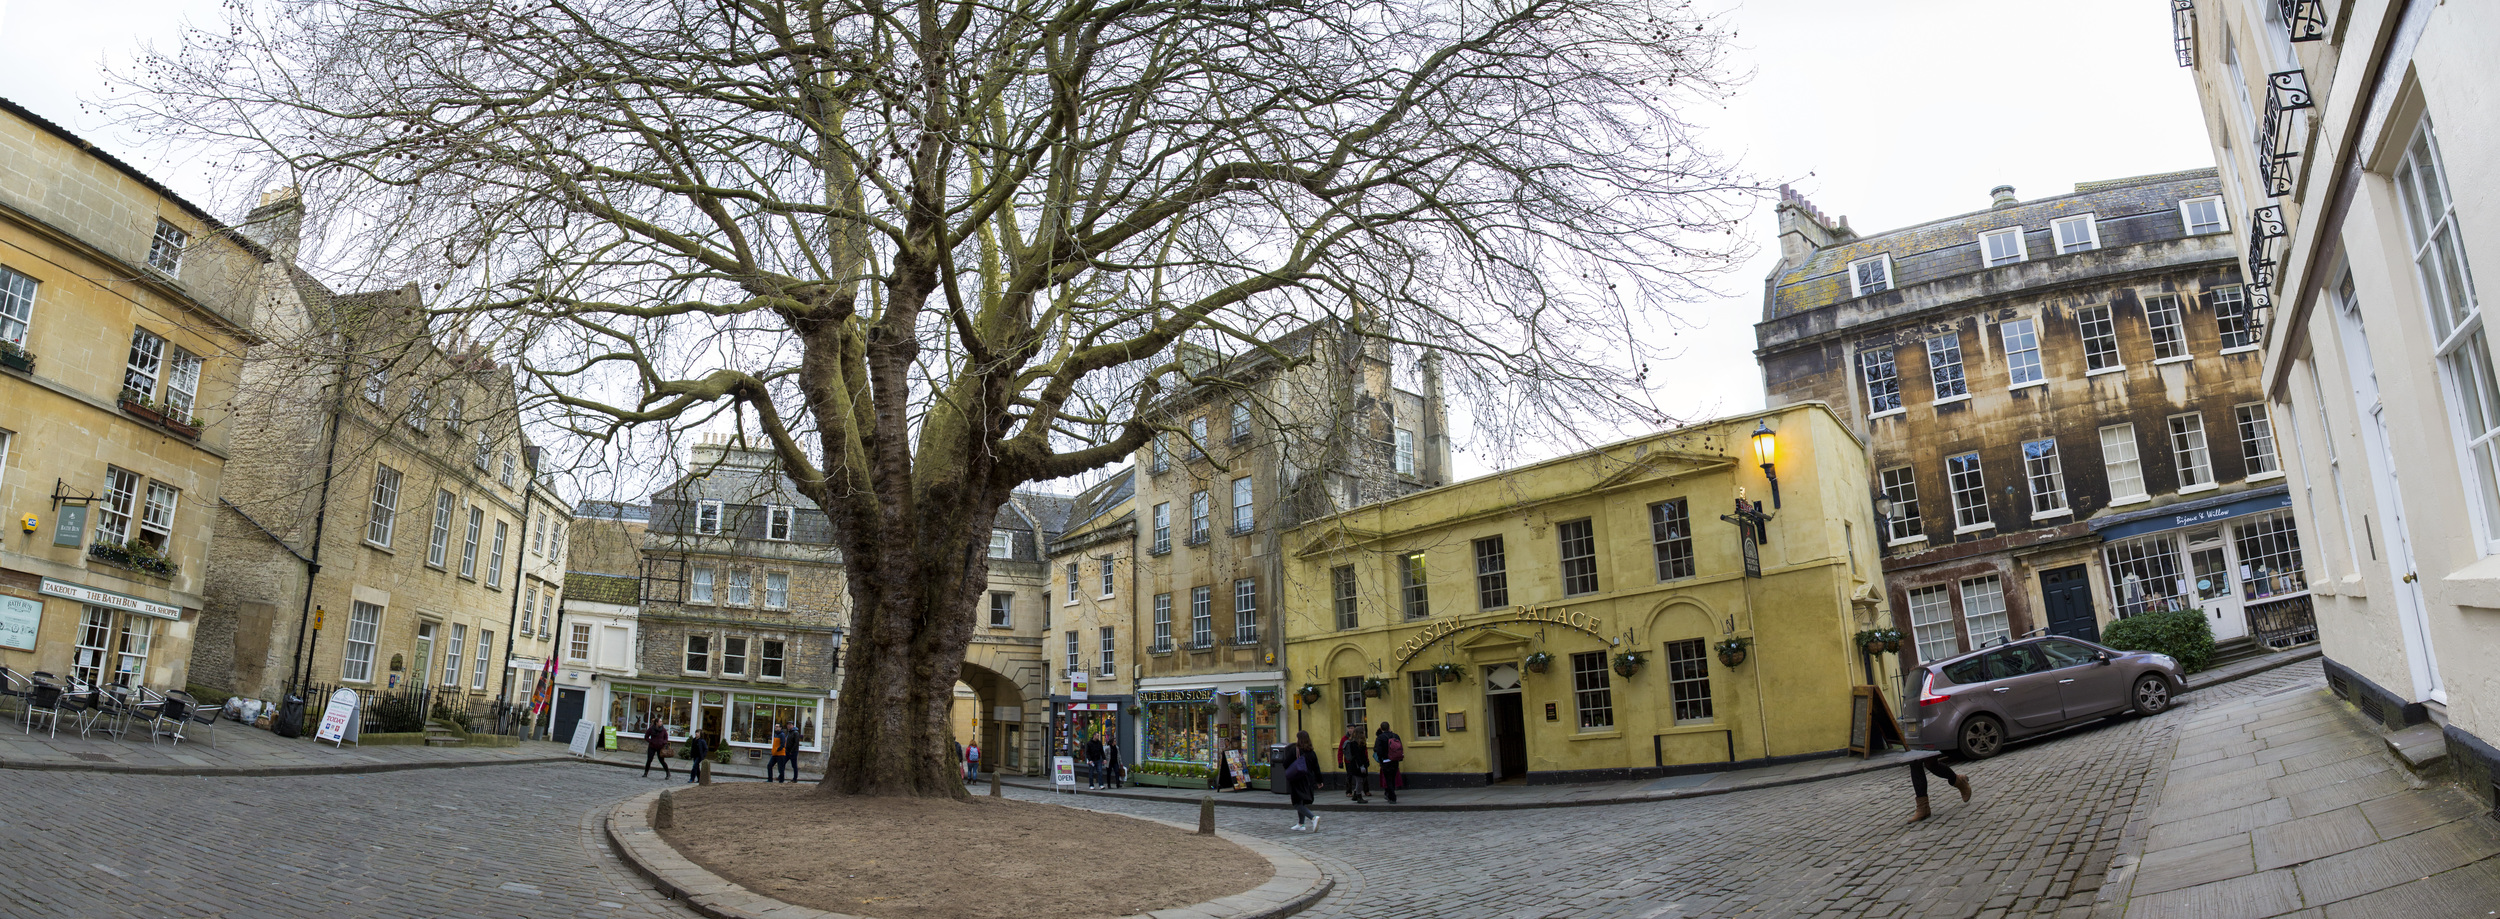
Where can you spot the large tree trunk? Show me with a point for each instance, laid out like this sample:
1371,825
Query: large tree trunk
911,618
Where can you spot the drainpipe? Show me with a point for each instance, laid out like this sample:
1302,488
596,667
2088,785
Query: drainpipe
321,516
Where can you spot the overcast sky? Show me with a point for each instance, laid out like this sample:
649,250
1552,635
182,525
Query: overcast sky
1891,112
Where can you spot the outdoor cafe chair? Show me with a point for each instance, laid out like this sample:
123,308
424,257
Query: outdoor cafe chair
115,702
206,717
44,701
171,715
88,704
13,688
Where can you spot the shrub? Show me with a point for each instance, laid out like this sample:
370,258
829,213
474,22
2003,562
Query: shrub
2183,634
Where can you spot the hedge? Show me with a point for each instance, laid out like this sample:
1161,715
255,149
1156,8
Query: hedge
2182,634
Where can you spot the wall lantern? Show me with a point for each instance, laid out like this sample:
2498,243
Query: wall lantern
1766,450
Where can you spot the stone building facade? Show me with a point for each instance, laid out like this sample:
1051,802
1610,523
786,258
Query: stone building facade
124,312
2357,143
2061,403
1093,630
1255,444
377,533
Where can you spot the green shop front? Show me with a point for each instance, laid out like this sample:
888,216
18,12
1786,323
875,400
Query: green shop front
741,719
1187,730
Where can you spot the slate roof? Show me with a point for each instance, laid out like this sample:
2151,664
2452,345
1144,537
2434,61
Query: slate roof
1092,503
602,588
1048,513
2128,212
612,510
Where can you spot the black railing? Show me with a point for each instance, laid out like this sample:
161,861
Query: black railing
2277,146
2283,623
2183,31
406,709
2265,230
2305,18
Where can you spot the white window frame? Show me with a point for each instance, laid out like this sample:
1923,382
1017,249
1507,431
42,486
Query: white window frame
529,607
1969,491
1861,283
364,631
508,468
485,654
1944,367
1931,623
740,590
468,549
538,535
116,516
699,584
1002,544
2091,233
2257,453
182,384
452,420
1983,610
165,248
1883,395
144,365
733,655
1163,527
1241,422
377,387
1163,623
453,663
2190,452
1002,609
2221,222
1074,575
383,518
577,646
776,590
485,450
708,516
1905,525
770,657
1242,518
418,405
1109,664
1198,437
2022,353
494,555
1074,664
780,519
1987,247
2122,463
2445,278
1405,451
1109,583
1201,617
156,515
2166,324
1197,517
17,305
2106,321
698,654
2047,477
2231,319
1245,611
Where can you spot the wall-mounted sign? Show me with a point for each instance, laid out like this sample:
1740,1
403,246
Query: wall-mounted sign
1542,615
20,619
85,594
1549,712
1077,683
70,528
1176,695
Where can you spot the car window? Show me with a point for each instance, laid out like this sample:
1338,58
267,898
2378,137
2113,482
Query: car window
2016,661
1967,671
2065,653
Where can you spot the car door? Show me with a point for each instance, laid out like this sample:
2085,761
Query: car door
2089,686
2025,688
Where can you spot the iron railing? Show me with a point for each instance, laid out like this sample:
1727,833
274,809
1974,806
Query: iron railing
2283,623
2305,18
2183,31
2265,232
2277,144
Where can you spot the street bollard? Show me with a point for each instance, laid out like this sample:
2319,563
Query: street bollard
703,771
1206,815
664,814
994,784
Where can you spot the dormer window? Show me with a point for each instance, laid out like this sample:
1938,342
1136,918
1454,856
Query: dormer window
2076,234
2002,247
707,518
1002,544
777,522
165,250
2203,215
1870,275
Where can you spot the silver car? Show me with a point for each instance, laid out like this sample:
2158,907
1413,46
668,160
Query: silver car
1977,702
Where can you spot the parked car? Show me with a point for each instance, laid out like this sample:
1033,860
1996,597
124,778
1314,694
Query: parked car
1976,703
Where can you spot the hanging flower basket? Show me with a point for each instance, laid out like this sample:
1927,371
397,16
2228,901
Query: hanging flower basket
1732,651
1629,663
1892,639
1372,687
1538,662
1871,641
1309,693
1448,673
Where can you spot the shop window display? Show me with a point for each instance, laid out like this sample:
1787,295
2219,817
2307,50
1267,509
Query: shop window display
752,718
1179,731
631,707
1267,710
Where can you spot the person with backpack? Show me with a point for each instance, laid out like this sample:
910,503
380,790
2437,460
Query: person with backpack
1355,759
1093,762
1301,772
1390,749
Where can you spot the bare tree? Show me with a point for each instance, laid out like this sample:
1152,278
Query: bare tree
934,249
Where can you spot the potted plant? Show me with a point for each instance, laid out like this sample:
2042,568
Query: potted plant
1892,639
1309,693
1448,673
1237,706
1629,663
15,356
1372,687
1539,661
1732,651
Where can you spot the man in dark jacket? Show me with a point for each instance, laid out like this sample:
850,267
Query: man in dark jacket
655,745
1356,760
1093,761
1390,750
697,747
1111,762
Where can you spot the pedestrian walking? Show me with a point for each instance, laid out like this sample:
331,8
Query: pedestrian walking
655,748
697,747
1112,766
1355,758
781,741
1918,782
972,761
1093,761
1390,750
1301,771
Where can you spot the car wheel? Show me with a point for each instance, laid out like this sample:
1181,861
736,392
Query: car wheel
1981,737
2152,694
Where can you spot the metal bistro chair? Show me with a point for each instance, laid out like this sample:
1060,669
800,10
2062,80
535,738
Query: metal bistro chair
207,716
44,700
88,703
13,687
117,703
171,715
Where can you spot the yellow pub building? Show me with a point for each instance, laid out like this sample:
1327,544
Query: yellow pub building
1678,602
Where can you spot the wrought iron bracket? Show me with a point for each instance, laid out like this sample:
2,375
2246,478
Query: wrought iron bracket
2183,31
2266,232
2305,18
2277,145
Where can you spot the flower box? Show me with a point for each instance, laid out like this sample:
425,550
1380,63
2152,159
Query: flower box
141,409
17,359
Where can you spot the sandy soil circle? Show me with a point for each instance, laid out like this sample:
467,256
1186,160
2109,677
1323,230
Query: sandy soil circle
983,858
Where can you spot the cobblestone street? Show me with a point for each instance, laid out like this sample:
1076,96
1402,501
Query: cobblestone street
520,841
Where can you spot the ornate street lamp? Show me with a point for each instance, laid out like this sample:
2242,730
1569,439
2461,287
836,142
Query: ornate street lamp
1766,450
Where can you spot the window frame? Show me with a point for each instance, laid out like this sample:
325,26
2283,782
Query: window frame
1492,573
1905,509
1002,609
1202,617
2187,215
1688,681
1860,285
1346,596
2102,344
2252,436
2165,323
1592,691
1998,626
1245,611
780,518
2023,366
1109,665
2443,278
1944,367
144,366
1002,544
1240,422
1163,623
1988,257
1414,586
698,654
1671,539
18,292
577,644
1163,527
1970,498
1403,444
1883,395
371,626
1423,700
1931,606
738,588
2134,461
1242,518
2091,232
382,517
494,555
2231,319
2190,452
709,517
702,583
733,655
165,248
1579,570
476,537
1109,583
1198,526
2045,474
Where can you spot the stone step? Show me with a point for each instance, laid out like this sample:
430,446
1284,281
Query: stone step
2422,747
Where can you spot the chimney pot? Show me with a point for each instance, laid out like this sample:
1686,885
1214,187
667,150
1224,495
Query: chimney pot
2002,196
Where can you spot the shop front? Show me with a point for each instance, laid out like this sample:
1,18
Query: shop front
742,721
1194,732
93,636
2237,561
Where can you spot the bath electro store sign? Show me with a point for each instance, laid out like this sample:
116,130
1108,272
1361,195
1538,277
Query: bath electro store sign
1541,615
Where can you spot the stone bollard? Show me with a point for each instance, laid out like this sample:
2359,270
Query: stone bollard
1206,815
703,771
664,814
994,784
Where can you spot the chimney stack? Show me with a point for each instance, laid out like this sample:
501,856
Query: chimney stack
278,223
2002,197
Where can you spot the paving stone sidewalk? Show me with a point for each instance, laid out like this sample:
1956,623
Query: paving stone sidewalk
1514,797
231,748
2289,804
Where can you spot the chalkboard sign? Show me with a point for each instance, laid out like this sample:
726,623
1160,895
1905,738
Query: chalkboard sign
1869,720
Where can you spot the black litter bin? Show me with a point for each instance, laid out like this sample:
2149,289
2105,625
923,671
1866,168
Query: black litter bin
1276,773
290,719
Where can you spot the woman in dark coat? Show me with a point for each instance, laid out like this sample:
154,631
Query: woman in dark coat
1302,781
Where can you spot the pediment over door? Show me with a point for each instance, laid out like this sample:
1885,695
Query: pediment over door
1494,644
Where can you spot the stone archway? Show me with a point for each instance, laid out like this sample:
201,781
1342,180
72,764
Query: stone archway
1008,675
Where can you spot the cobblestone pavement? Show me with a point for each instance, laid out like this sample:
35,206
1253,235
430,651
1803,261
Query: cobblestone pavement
2036,839
521,840
501,841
